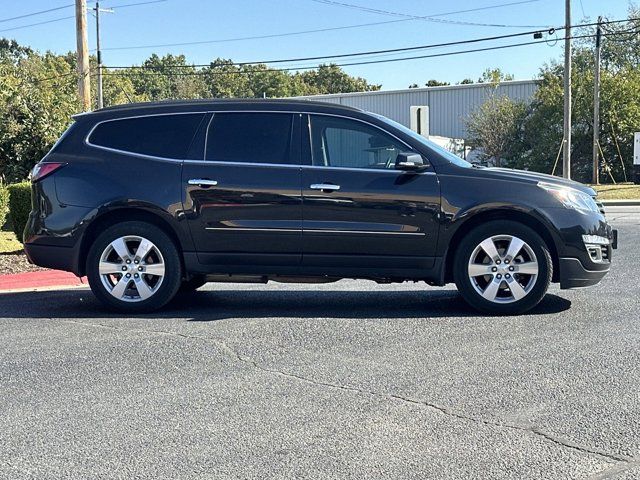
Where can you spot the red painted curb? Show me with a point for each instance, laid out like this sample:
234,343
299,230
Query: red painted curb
46,278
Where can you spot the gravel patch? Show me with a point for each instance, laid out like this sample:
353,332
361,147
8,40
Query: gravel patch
16,262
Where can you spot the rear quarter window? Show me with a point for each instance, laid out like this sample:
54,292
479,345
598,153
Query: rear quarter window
166,136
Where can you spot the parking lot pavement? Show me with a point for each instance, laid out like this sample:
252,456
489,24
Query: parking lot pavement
344,380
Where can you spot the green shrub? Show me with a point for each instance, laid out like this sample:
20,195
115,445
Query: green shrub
19,206
4,204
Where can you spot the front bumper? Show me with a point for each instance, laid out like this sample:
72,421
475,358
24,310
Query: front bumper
574,273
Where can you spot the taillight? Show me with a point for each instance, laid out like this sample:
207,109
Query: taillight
41,170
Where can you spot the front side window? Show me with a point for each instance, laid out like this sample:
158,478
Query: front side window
167,136
249,137
341,142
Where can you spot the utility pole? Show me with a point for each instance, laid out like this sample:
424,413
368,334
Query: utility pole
84,87
566,151
97,9
596,104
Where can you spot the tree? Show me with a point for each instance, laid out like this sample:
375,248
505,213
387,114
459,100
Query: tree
495,127
37,98
332,79
619,107
466,81
436,83
170,76
495,76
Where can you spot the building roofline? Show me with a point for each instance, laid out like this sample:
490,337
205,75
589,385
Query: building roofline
419,89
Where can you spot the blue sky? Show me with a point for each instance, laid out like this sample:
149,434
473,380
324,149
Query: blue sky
174,21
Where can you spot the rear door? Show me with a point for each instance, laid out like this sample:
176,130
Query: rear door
359,211
243,203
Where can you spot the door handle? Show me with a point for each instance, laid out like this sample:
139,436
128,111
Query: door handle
325,187
202,182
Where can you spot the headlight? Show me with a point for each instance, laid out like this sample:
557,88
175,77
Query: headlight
570,197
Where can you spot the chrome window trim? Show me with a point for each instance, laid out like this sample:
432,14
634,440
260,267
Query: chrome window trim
206,139
366,123
213,112
376,170
236,164
135,154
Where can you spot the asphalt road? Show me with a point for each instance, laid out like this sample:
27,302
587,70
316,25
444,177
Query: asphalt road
345,380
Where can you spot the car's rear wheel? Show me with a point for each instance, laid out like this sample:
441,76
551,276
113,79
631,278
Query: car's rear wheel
503,267
134,267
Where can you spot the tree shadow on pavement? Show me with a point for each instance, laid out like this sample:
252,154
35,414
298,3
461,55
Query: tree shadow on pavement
212,305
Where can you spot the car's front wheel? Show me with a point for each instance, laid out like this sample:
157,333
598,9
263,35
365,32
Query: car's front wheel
503,267
134,267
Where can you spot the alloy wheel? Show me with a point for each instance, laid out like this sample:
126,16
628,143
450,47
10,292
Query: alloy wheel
131,268
503,269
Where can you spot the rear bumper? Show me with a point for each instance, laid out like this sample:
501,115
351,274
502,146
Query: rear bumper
574,275
49,256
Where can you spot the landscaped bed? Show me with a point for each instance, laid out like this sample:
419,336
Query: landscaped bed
12,257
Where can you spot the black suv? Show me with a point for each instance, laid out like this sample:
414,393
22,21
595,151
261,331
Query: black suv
150,199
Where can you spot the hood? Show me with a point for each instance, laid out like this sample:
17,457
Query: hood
534,177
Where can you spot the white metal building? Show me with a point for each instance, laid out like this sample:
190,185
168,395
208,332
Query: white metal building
448,106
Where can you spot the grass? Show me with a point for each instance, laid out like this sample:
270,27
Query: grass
621,191
9,243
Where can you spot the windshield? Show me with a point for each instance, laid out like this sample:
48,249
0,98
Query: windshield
453,158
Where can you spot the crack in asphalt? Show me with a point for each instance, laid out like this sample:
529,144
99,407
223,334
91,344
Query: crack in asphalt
627,461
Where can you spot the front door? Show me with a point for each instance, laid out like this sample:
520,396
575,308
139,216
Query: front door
243,203
359,211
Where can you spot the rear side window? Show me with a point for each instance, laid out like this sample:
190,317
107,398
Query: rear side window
249,137
167,136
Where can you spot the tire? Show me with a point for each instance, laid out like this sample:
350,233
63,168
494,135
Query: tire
154,274
191,285
505,284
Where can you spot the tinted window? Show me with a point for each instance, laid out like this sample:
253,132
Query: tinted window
166,136
249,137
340,142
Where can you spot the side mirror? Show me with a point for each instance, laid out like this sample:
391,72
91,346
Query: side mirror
410,161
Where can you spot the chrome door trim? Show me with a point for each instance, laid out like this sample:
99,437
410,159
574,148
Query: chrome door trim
248,229
312,230
365,232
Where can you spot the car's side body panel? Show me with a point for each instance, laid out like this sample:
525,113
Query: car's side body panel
267,220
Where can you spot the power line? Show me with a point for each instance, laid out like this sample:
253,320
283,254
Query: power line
370,52
138,3
430,18
369,62
36,24
366,62
318,30
69,17
248,72
32,14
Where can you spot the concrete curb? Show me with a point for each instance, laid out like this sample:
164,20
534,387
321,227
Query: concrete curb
621,203
39,279
44,289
